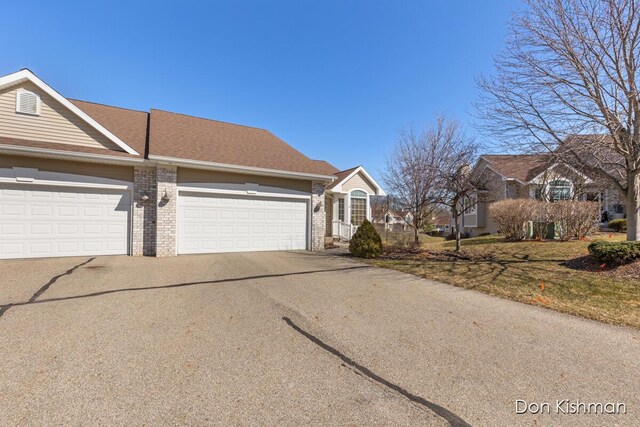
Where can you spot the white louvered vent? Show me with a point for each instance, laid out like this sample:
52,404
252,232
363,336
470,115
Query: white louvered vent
27,103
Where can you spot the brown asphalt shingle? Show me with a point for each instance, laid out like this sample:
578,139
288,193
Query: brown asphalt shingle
192,138
327,167
340,176
523,167
128,125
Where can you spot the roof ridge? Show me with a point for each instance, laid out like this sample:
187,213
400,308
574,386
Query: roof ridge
210,120
107,105
348,169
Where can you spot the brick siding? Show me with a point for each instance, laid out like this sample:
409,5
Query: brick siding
166,177
318,216
144,212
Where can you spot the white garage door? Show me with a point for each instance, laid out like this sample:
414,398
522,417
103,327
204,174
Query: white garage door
38,221
213,223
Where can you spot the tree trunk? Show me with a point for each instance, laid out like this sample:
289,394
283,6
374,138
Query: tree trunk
633,207
417,239
456,220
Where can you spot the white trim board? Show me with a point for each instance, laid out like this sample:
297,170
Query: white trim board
20,150
338,187
239,192
537,178
32,176
26,75
199,164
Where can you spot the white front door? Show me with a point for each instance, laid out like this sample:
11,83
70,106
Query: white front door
209,223
48,221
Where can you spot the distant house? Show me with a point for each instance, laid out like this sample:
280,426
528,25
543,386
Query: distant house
537,176
442,224
395,220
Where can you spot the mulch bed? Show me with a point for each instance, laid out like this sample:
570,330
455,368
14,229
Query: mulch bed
417,254
588,263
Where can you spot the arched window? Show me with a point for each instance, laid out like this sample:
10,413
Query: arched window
358,206
559,190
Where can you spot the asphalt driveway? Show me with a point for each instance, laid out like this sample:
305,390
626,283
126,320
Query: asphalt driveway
290,339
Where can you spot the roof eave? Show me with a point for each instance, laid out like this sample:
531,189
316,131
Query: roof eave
68,155
26,75
338,187
225,167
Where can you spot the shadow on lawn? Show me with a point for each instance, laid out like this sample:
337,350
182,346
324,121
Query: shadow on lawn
522,269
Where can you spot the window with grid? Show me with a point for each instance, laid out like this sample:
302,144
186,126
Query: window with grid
538,195
559,190
341,209
358,207
470,203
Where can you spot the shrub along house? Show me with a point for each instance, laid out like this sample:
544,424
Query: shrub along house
78,178
536,176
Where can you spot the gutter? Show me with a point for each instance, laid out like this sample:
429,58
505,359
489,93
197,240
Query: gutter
69,155
154,160
225,167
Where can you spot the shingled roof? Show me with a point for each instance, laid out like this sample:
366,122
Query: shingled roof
522,167
341,175
194,138
128,125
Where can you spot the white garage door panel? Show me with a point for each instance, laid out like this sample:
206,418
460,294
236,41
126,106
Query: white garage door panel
54,221
214,223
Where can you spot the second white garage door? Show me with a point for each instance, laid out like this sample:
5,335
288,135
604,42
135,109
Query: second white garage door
210,223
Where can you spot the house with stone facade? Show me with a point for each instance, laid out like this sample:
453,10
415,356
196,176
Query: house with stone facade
537,176
80,178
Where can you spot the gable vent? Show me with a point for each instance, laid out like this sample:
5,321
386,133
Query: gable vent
27,103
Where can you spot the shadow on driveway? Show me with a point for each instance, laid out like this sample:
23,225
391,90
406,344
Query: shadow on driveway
34,300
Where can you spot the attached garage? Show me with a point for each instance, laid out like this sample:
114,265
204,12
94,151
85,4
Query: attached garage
210,223
52,221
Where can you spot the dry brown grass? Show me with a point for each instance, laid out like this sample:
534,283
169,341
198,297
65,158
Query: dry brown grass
531,272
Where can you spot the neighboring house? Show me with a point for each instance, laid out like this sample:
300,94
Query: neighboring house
348,201
78,178
395,220
442,224
537,176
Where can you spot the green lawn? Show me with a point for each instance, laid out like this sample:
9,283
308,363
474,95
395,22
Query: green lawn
517,270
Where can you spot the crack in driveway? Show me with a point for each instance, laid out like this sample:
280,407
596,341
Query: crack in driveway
45,287
443,412
171,286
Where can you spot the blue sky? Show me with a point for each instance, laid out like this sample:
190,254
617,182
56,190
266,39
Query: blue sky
335,79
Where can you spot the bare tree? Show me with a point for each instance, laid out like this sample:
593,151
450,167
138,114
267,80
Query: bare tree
460,186
571,67
412,172
379,208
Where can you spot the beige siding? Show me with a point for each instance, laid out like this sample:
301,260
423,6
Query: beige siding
55,124
123,173
359,181
513,189
203,176
489,225
495,187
